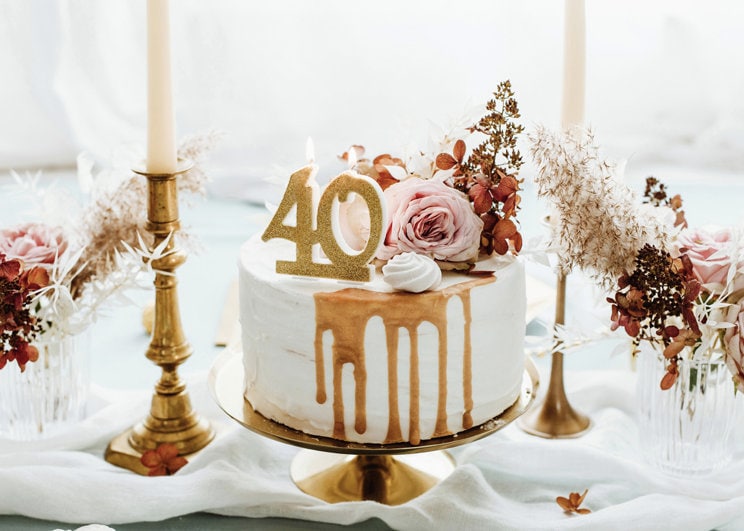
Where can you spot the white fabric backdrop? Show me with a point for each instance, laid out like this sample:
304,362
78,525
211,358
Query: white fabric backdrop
664,81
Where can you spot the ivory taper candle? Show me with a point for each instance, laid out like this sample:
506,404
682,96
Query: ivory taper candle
574,63
161,144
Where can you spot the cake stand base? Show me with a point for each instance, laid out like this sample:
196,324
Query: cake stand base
382,478
340,471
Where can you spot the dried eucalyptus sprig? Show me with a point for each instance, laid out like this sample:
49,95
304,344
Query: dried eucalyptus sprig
600,226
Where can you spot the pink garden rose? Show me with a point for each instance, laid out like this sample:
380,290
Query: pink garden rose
706,249
430,218
734,343
33,243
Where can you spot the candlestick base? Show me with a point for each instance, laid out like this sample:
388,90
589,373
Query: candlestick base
171,419
555,418
121,452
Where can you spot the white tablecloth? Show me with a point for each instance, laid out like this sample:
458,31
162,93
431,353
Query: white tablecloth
507,481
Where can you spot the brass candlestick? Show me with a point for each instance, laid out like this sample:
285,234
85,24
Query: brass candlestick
555,418
171,419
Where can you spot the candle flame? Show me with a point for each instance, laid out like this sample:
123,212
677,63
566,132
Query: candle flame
351,157
310,150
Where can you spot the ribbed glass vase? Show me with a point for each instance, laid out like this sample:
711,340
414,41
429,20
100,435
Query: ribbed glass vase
688,429
50,395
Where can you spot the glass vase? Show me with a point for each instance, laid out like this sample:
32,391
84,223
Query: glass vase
687,429
50,395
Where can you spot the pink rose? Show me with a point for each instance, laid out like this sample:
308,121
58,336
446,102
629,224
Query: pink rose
710,262
734,343
33,243
430,218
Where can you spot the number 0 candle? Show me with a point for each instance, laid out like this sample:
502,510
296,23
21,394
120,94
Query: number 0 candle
161,146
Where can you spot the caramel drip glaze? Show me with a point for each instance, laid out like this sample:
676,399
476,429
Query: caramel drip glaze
346,313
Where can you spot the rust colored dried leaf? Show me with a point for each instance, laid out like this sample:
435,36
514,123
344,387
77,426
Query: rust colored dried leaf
668,380
158,471
386,180
500,246
445,161
150,459
675,202
459,150
167,451
358,151
489,221
615,314
691,320
175,464
36,278
564,503
10,269
633,328
388,160
505,229
506,187
680,220
517,242
481,197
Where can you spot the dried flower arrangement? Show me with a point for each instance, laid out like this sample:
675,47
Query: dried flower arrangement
679,289
57,274
444,205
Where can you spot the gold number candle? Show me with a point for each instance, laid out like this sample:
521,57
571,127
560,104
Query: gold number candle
322,227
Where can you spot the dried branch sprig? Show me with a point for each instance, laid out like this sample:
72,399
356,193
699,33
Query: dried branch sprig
119,215
656,194
488,175
498,152
599,224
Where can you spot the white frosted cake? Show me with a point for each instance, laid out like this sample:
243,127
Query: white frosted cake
363,362
427,344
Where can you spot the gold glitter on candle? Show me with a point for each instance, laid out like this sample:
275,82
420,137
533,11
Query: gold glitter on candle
324,230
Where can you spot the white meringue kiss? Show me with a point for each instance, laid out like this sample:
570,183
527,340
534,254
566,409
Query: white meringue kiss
412,272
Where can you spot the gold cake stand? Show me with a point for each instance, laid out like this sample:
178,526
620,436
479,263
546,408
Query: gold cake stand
339,471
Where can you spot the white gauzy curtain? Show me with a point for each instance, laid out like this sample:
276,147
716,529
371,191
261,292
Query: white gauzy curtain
665,79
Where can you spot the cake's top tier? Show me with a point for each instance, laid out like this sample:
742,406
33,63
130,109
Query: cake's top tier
452,207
